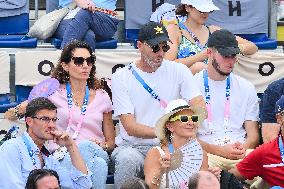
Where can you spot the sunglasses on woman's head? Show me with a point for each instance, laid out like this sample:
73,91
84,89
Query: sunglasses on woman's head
184,118
79,61
157,48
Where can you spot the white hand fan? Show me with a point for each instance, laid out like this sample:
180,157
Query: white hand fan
184,162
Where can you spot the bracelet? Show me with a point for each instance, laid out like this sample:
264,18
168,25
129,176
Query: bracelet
16,112
157,181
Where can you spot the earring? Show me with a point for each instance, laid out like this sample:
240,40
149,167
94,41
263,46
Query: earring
171,138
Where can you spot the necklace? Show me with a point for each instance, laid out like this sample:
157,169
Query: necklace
79,96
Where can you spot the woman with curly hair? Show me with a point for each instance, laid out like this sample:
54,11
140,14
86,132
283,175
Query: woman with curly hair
84,110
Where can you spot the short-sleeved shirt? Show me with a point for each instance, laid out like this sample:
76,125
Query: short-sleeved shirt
243,107
267,105
92,123
106,4
170,81
266,154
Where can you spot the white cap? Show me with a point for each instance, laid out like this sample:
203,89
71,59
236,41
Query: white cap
201,5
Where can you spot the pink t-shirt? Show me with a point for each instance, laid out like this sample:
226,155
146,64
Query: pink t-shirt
92,123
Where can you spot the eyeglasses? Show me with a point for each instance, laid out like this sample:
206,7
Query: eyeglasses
184,118
157,48
46,119
79,61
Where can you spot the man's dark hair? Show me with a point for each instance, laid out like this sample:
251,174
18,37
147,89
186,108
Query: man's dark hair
37,104
38,174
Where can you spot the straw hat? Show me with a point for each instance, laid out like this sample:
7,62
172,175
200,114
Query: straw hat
174,107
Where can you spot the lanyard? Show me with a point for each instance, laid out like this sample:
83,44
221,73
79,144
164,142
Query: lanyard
281,148
71,109
31,152
208,99
147,88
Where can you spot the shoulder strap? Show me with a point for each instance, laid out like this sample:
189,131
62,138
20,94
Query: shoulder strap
196,40
208,30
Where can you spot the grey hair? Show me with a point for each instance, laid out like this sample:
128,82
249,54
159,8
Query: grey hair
193,181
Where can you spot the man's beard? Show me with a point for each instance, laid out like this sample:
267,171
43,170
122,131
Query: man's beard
150,62
217,68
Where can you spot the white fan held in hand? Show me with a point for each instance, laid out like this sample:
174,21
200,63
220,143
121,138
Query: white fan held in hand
184,162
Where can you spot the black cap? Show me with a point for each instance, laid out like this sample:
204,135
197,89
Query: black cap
224,42
153,33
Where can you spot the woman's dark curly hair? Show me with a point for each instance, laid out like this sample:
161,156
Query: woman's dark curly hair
38,174
67,53
180,10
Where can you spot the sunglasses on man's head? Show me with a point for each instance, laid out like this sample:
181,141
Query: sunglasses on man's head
79,61
157,48
184,118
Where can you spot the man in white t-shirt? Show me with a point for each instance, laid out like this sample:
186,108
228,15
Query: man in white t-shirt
231,101
141,91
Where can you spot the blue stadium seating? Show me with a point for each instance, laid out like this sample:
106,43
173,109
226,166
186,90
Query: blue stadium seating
5,103
22,93
107,44
261,40
13,34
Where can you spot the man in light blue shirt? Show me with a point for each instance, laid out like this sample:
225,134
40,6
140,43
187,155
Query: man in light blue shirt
18,157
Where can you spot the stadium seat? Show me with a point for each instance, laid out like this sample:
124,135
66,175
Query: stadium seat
13,35
110,179
260,40
107,44
22,93
5,103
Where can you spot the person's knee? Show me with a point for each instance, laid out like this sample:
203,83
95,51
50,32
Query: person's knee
83,15
129,156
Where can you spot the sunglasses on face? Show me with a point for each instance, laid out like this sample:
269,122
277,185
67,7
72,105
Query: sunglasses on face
79,61
185,118
157,48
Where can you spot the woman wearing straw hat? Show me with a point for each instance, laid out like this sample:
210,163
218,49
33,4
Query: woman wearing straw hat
180,154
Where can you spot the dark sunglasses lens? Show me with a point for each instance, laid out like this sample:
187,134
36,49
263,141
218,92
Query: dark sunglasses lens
194,118
166,48
184,119
78,60
90,60
155,48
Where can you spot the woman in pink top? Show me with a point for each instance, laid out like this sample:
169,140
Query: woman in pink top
83,109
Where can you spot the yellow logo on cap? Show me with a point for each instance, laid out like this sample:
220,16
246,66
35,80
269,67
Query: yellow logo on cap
159,30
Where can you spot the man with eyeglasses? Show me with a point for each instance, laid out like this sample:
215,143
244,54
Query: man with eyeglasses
232,104
18,157
141,91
